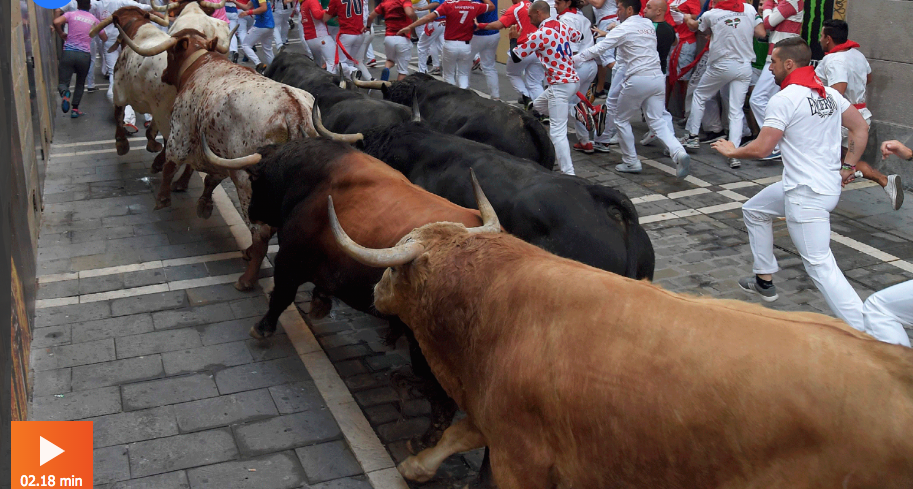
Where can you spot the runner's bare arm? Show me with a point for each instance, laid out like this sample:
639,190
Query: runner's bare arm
424,20
762,146
858,135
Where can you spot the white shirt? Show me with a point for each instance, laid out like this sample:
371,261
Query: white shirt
635,40
102,9
733,33
420,7
576,21
811,140
848,67
608,9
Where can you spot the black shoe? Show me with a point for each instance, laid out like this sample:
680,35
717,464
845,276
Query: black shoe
261,68
234,57
91,89
245,59
712,137
254,48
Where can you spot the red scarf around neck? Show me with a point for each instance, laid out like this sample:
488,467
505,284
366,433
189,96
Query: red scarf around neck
805,77
733,5
843,47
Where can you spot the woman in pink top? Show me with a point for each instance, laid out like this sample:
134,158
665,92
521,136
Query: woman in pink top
75,57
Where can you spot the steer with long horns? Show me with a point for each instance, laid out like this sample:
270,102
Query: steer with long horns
238,111
576,377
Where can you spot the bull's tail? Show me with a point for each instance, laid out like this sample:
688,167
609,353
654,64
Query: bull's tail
640,260
542,142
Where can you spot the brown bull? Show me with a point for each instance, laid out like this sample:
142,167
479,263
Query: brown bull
579,378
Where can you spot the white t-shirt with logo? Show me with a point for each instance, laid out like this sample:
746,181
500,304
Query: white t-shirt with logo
811,136
848,67
733,33
635,43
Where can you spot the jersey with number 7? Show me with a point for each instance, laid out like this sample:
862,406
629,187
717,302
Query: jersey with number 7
461,15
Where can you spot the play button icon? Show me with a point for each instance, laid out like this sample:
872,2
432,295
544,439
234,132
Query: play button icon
47,451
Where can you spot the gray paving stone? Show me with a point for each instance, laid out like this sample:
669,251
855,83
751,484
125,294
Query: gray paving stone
186,272
144,277
376,396
168,391
250,307
117,372
181,452
217,293
274,347
53,316
402,429
261,374
72,355
224,410
384,413
192,316
208,358
348,352
226,331
170,480
156,342
346,483
112,327
103,283
50,382
226,267
75,405
53,290
110,465
286,431
123,428
275,471
52,336
328,461
296,397
148,303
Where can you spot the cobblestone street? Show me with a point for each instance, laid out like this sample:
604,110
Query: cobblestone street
139,328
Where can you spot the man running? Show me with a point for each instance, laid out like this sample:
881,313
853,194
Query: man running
551,43
845,69
644,86
526,76
804,118
350,39
398,48
261,32
485,46
430,40
316,36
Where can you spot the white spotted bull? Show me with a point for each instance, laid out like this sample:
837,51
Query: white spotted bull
238,110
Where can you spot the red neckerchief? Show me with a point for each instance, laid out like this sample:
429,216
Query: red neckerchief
805,77
733,5
843,47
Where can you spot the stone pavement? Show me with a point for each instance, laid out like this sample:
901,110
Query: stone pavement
139,329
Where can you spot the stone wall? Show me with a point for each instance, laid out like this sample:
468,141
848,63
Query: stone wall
882,28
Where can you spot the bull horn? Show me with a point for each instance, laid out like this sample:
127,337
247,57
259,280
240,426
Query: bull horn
157,7
371,85
158,20
342,78
212,5
230,35
324,132
153,51
490,222
416,115
173,5
387,257
101,25
231,164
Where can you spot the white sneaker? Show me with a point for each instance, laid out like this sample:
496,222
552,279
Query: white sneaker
648,138
734,163
682,163
894,189
628,168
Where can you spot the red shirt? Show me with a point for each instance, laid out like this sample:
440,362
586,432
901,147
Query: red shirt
552,45
461,15
350,14
394,14
312,20
518,13
692,7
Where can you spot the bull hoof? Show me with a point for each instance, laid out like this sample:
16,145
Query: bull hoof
154,146
243,286
162,203
413,470
157,164
178,186
319,308
204,209
262,330
123,146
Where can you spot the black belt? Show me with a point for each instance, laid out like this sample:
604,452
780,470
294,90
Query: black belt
457,40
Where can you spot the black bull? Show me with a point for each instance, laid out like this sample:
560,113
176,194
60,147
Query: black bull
345,111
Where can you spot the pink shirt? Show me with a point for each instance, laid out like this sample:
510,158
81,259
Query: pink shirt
79,23
220,14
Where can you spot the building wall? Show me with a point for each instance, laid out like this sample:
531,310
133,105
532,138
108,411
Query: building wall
882,28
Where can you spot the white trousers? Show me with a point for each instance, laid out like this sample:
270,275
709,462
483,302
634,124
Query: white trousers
553,102
487,49
611,103
808,220
526,76
398,50
323,50
93,52
645,93
765,88
369,46
280,20
456,63
885,312
737,75
241,34
354,45
430,43
262,35
587,73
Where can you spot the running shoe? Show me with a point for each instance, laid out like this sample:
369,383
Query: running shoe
682,163
586,148
628,168
750,284
648,138
584,115
690,142
65,103
371,64
602,147
261,68
712,137
477,64
894,188
131,129
735,163
76,113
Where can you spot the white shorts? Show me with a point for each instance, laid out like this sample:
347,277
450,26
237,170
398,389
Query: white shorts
398,50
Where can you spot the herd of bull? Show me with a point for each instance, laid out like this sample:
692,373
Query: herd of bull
571,367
